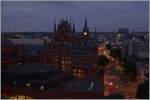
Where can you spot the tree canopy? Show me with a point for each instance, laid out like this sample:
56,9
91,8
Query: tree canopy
103,61
116,52
143,90
129,67
108,46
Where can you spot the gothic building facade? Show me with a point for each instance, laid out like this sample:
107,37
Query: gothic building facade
68,50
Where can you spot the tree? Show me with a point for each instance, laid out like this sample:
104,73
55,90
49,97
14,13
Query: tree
143,90
129,67
116,53
108,46
103,61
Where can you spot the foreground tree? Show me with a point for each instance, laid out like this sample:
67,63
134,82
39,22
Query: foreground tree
130,68
143,90
108,46
103,61
116,52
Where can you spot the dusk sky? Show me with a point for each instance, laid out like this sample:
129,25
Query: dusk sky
38,16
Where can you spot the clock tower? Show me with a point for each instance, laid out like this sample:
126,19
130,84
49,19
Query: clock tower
85,31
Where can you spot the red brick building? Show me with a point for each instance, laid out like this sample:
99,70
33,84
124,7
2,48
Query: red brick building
66,51
10,53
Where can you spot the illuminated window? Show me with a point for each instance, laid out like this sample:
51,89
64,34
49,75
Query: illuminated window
63,66
20,97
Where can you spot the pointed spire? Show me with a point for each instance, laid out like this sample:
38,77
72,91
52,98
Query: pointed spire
85,28
70,21
95,29
73,27
60,21
67,19
54,25
70,26
85,24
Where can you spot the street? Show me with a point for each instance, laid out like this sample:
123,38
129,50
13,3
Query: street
113,74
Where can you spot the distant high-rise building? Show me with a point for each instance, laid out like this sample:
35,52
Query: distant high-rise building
136,47
125,32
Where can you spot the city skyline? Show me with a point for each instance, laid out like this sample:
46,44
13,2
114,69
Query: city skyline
104,16
75,50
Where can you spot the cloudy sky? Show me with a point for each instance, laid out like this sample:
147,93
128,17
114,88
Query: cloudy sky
38,16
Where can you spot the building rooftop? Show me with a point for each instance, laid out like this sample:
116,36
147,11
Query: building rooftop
28,41
34,49
31,46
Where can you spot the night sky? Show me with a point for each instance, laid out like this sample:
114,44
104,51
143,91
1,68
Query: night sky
38,16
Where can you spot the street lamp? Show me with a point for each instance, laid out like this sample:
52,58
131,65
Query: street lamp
85,33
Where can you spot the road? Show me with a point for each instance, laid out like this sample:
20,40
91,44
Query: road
113,74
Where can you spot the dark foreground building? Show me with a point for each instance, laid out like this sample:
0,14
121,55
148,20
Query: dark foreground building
37,80
65,66
66,50
10,53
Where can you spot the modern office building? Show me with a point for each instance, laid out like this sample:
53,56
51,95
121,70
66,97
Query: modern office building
124,32
136,47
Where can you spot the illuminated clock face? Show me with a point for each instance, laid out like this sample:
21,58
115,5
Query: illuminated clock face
85,33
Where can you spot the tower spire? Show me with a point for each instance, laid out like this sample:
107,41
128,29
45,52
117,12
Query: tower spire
85,28
73,27
54,25
70,26
85,24
70,21
60,20
95,29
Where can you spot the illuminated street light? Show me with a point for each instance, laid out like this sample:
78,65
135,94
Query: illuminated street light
85,33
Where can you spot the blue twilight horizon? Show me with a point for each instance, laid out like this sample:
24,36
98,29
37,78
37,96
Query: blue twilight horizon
105,16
